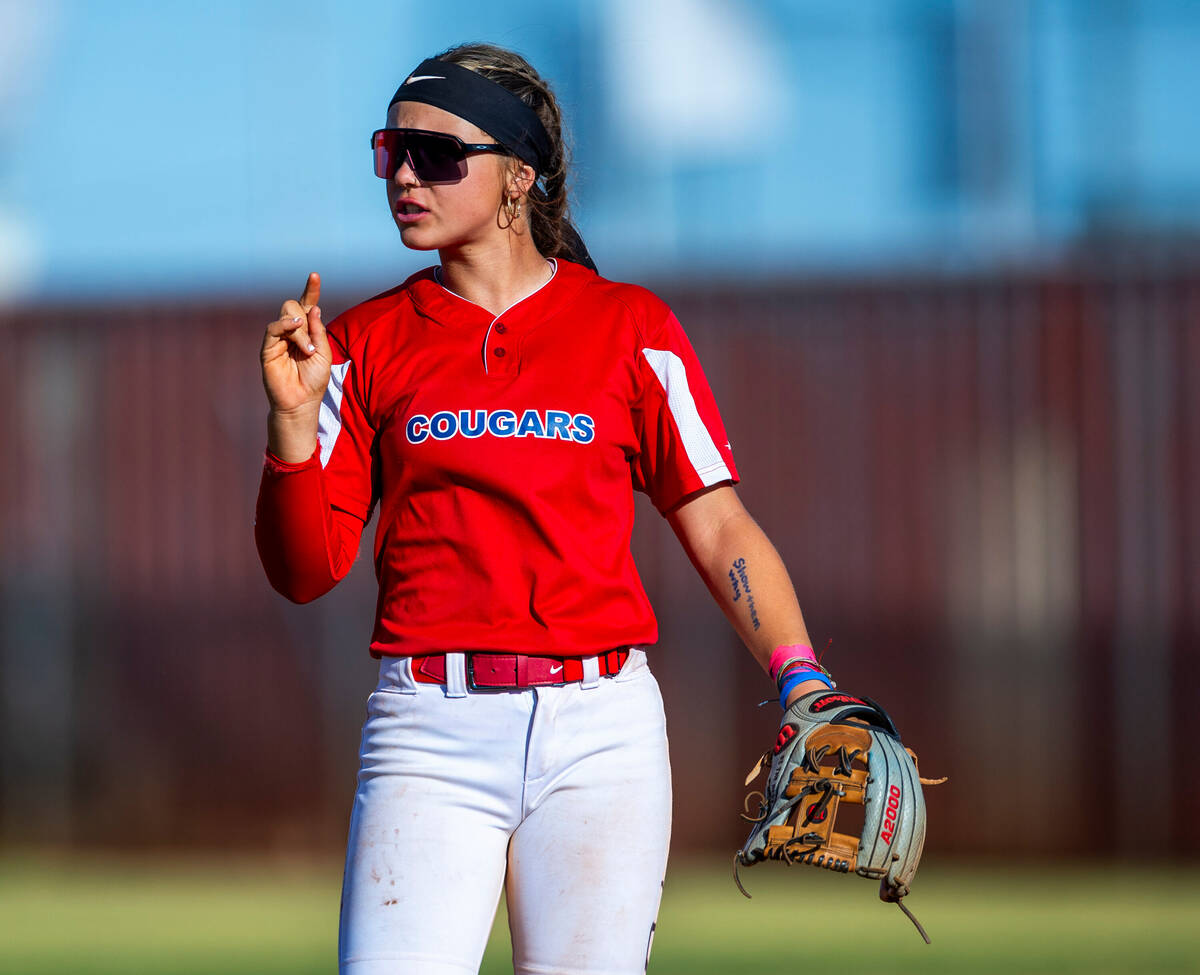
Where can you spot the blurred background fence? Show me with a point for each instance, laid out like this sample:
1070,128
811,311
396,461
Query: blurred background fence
940,260
984,486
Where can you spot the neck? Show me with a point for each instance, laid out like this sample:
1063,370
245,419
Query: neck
495,277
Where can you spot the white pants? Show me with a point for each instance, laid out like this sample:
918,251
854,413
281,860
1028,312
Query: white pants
562,794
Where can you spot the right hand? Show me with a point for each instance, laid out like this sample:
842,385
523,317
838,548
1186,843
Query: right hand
296,357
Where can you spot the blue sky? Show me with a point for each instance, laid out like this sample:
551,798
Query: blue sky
186,148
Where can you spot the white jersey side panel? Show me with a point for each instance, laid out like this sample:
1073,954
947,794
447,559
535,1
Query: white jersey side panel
697,441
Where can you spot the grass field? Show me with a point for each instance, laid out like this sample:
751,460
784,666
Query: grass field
190,917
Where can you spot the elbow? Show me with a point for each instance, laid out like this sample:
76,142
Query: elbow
300,591
298,575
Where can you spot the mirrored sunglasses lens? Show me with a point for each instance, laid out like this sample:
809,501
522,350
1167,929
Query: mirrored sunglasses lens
432,157
389,153
435,158
384,154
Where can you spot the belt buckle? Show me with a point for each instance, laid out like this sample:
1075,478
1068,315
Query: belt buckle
474,686
471,672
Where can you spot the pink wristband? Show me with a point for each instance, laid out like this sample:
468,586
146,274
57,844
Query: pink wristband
787,652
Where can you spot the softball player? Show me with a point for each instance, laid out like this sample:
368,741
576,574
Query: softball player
500,408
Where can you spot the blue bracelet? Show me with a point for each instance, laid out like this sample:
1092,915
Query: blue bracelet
799,677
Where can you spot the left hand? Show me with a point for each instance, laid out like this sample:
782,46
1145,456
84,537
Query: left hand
833,747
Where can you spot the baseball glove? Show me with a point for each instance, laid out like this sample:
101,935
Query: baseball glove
835,749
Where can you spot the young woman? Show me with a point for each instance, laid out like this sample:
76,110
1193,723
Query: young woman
501,407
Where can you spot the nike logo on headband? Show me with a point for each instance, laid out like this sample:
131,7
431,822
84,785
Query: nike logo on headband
425,77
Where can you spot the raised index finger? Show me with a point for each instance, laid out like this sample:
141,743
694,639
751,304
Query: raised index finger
312,291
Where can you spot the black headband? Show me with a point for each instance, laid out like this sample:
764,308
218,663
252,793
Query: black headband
491,106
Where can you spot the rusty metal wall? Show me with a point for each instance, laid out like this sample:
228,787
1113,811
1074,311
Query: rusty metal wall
984,488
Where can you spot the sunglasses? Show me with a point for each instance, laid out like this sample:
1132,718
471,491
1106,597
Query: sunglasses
435,157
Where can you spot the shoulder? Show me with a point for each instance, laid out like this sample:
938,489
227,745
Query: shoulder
645,311
351,328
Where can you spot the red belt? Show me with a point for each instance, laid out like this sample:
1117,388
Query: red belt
511,670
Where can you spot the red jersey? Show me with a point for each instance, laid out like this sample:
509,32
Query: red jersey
503,451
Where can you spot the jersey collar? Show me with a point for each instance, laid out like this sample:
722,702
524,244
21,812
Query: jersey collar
443,306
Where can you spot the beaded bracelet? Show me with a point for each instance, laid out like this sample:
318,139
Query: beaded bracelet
802,664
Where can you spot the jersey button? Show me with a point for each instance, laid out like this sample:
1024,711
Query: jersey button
499,353
501,327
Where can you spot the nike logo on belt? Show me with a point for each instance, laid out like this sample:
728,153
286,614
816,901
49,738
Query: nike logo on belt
555,670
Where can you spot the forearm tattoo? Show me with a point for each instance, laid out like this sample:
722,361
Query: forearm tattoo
739,579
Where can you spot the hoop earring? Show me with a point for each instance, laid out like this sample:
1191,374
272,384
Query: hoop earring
512,209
